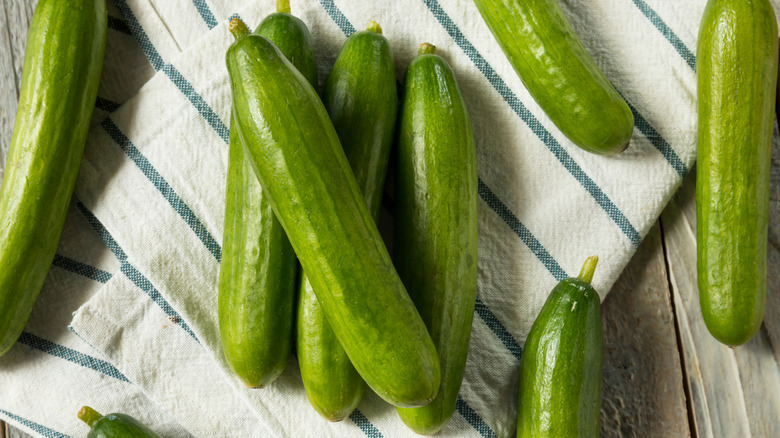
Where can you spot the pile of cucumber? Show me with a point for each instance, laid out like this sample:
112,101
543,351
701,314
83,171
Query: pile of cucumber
305,181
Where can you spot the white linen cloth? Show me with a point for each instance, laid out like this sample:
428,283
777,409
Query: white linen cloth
139,259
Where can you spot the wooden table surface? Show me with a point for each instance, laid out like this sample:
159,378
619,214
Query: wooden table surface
664,375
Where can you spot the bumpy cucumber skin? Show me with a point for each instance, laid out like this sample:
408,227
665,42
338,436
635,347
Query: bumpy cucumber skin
258,271
293,39
257,278
561,368
360,96
296,154
737,78
557,70
435,247
120,426
62,67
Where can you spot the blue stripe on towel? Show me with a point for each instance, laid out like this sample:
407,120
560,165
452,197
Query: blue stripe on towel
519,108
667,32
43,430
364,424
82,269
205,13
164,187
71,355
489,318
119,25
106,105
473,418
131,272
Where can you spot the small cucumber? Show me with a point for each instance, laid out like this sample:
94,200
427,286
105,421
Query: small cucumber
298,159
258,271
435,247
561,76
360,96
293,39
114,425
737,79
563,359
62,67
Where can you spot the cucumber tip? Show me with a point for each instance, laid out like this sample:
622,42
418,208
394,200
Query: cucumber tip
426,49
373,26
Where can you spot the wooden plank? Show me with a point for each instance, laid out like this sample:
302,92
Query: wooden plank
15,18
643,392
734,392
8,99
19,13
772,317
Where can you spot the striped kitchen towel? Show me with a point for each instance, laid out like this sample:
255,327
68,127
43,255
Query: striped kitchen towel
152,182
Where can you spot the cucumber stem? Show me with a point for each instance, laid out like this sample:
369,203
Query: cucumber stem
283,6
586,274
426,49
238,29
89,415
373,26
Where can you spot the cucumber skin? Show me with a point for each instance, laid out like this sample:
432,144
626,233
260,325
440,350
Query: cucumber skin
361,98
435,248
562,364
62,67
291,36
737,79
259,269
120,426
297,156
558,72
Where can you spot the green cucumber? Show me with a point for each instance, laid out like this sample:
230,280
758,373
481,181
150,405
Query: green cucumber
558,72
62,67
562,364
737,79
258,271
435,246
360,96
298,159
293,39
114,425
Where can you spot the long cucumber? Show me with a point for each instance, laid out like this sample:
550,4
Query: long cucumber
435,246
63,62
562,364
258,271
361,99
737,79
298,159
558,72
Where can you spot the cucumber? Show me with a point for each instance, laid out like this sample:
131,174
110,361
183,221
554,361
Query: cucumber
435,245
360,96
258,271
558,72
562,364
737,79
293,39
114,425
298,159
62,66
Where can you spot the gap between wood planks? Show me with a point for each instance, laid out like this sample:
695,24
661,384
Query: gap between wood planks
692,426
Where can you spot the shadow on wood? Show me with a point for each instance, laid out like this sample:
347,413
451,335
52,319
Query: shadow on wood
643,392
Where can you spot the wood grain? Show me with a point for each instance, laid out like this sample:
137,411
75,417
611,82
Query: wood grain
643,392
15,18
734,392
